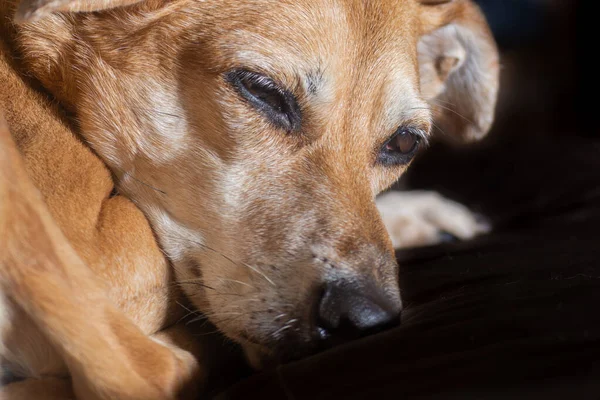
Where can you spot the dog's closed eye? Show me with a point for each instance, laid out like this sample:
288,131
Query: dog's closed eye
274,102
401,147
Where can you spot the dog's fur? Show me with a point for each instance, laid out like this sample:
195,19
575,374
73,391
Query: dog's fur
254,219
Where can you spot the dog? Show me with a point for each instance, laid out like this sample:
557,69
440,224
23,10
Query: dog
245,140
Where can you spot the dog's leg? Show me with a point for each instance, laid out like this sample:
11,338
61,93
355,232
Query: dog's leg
421,218
107,355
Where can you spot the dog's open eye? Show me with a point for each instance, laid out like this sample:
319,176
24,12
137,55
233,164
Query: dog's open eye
276,103
400,148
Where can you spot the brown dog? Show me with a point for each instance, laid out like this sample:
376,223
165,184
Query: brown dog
253,135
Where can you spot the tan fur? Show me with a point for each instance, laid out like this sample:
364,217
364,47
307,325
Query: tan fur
253,219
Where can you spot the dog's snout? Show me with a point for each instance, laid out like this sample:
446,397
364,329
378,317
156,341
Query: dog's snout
347,311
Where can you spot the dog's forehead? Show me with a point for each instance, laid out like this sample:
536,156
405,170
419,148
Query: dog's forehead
362,49
291,37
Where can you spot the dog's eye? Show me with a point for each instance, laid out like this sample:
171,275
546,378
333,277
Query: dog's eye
400,148
277,104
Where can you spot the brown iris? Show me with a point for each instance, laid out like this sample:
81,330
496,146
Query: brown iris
400,148
403,143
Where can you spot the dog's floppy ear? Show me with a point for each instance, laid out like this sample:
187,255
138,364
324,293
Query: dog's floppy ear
459,67
31,10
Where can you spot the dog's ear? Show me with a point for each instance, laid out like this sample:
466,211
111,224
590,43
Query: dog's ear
459,67
31,10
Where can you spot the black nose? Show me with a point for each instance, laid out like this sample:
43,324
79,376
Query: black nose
349,310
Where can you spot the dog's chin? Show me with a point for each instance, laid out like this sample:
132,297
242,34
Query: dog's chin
258,357
261,357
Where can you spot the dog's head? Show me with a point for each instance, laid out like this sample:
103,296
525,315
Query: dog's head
256,134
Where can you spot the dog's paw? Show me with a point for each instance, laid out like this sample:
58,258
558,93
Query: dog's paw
421,218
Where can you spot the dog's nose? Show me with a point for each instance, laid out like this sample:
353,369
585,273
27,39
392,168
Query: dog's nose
347,311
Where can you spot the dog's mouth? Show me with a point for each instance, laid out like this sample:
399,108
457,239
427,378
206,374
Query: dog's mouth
289,349
258,357
261,356
269,339
281,314
276,337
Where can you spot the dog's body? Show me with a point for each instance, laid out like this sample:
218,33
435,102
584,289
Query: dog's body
104,231
273,205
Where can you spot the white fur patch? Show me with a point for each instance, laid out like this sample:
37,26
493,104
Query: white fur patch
167,123
176,240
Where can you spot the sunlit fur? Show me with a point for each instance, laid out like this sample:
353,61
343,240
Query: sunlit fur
254,219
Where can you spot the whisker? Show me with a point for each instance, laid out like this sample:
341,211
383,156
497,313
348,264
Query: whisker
280,330
442,101
190,312
438,127
285,327
433,123
226,257
126,173
209,317
454,112
260,273
221,321
214,294
236,281
195,283
279,317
